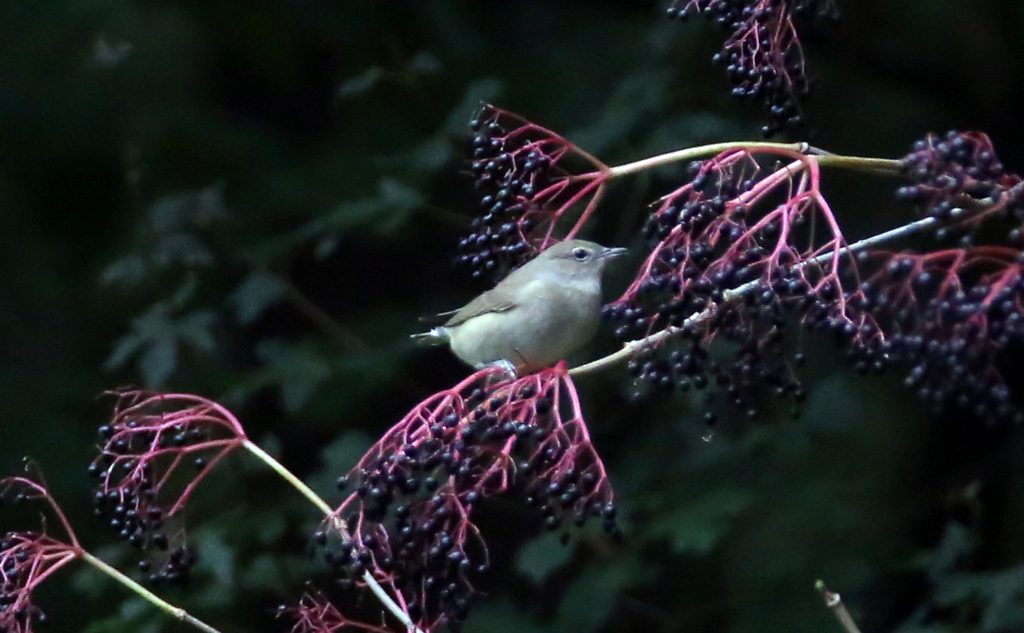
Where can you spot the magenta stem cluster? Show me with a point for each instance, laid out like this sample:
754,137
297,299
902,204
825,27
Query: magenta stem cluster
408,520
29,558
151,436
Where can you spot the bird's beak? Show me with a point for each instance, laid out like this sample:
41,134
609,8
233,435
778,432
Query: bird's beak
610,253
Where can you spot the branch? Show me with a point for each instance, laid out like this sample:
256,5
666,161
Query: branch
311,496
316,315
739,292
880,166
835,602
175,612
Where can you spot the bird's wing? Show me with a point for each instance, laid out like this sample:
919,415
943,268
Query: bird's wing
494,300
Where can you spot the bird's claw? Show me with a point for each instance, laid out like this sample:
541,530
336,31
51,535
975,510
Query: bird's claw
507,368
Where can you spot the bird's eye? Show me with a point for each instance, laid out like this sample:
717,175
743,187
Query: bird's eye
580,253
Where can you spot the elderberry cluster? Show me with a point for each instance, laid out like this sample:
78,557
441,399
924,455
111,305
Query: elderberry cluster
415,501
17,567
946,325
693,232
507,171
954,170
421,545
711,189
707,245
762,57
126,499
943,317
761,361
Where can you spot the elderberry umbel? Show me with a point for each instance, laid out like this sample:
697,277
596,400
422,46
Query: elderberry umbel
526,179
946,317
763,56
24,557
29,557
958,179
748,254
155,451
408,517
743,220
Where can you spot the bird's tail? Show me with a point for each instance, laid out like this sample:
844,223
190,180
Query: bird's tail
436,336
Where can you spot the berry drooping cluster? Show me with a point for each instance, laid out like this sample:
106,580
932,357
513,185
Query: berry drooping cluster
763,56
155,451
408,518
526,179
749,255
734,225
959,180
25,559
946,316
28,558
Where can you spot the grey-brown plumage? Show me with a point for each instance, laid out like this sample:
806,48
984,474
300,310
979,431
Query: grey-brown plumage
538,315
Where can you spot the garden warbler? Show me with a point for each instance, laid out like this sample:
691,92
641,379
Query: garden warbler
538,315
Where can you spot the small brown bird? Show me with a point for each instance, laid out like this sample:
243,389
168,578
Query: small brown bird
538,315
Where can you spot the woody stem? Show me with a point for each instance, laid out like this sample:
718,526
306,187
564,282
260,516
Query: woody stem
881,166
321,505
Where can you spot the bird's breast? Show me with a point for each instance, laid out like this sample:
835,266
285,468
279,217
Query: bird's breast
549,321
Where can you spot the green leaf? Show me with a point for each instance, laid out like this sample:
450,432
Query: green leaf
436,151
298,370
484,90
697,525
382,212
542,556
360,84
257,292
128,271
400,199
634,101
196,208
493,616
155,338
120,624
185,293
594,595
195,329
158,361
338,458
1000,594
134,614
216,559
424,63
125,348
263,573
428,157
182,249
956,545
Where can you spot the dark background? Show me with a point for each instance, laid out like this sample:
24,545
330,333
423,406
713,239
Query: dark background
255,202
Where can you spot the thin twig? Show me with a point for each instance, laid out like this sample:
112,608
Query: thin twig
735,294
880,166
311,496
835,602
690,153
175,612
340,333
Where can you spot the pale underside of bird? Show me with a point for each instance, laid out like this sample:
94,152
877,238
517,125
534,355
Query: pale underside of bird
538,315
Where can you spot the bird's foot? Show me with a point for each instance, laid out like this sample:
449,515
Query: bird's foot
508,370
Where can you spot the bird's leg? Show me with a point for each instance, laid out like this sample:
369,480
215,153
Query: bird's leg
506,367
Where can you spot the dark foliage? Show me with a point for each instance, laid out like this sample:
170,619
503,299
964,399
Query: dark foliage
258,204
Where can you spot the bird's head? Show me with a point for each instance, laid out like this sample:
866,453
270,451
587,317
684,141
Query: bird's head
577,258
